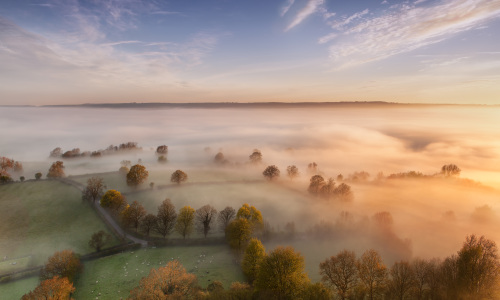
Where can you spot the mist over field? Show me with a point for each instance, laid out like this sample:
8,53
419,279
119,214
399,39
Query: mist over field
431,217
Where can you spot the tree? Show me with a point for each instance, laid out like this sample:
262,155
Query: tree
343,192
340,272
95,188
169,282
166,218
421,270
185,221
225,217
292,172
56,170
113,200
99,239
132,214
254,253
63,263
252,214
162,150
312,168
271,172
372,273
38,175
403,280
5,179
57,152
478,267
255,157
162,159
328,189
148,223
5,164
315,184
238,233
219,158
22,178
178,176
281,274
137,175
55,288
450,170
204,218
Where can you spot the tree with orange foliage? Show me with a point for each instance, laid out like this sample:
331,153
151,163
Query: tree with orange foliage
169,282
56,288
63,263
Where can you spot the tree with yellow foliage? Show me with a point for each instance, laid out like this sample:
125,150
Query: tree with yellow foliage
185,221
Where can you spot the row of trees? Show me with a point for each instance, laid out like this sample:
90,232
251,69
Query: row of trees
167,219
328,189
473,273
76,152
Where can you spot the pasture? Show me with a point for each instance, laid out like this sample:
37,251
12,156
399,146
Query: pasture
40,217
114,276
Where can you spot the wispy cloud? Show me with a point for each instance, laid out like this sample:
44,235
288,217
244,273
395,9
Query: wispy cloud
166,12
406,27
311,7
120,43
286,7
340,24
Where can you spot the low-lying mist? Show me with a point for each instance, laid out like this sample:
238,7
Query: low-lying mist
426,217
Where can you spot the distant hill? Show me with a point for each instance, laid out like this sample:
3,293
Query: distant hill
247,105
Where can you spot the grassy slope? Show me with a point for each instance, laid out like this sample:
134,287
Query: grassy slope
114,276
39,218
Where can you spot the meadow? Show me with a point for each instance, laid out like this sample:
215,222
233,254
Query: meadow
40,217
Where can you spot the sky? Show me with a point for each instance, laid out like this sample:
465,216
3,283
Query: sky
416,51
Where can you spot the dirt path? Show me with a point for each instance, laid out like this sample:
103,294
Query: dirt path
104,213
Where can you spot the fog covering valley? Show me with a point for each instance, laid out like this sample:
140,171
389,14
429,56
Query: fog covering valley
430,216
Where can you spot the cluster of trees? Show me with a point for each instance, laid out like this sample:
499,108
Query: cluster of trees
472,273
76,152
247,222
57,277
7,165
56,170
328,189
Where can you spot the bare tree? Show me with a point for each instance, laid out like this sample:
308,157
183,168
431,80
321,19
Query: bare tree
403,280
340,272
148,223
204,218
95,188
421,269
225,217
372,273
166,218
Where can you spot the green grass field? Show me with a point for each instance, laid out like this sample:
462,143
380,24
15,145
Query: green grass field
17,288
114,276
39,218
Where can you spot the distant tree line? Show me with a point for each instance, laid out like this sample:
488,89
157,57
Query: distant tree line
76,152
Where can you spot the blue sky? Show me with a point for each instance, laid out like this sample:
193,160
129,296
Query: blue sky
426,51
